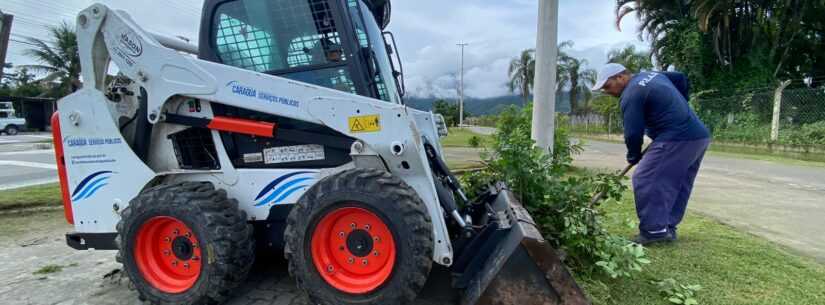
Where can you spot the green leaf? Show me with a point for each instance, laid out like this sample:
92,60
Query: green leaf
675,300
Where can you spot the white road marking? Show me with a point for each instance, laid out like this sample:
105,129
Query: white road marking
28,183
28,152
29,164
40,136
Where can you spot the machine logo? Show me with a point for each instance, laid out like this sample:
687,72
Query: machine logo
239,89
271,98
280,188
131,43
90,185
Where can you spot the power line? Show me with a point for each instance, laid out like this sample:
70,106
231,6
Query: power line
62,5
28,18
52,43
23,42
23,20
40,7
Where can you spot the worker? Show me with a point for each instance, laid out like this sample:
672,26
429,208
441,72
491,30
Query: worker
656,104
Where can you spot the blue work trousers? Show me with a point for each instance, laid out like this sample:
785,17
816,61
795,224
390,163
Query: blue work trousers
663,182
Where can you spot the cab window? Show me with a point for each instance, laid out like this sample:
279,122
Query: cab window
279,37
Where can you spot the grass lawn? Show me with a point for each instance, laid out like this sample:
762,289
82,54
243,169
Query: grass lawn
732,267
31,197
460,137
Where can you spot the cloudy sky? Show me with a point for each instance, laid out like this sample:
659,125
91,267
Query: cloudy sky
427,32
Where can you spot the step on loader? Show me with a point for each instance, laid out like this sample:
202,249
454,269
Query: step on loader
283,130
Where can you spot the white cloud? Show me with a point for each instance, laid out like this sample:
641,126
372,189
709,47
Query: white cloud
427,32
497,31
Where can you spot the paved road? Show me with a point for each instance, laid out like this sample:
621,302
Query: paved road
781,202
24,168
482,130
25,138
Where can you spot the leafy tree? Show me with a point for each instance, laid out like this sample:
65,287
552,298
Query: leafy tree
559,202
25,84
449,111
608,107
729,44
633,60
60,60
522,73
22,83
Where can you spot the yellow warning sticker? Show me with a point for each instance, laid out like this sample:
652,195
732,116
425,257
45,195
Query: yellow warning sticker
365,123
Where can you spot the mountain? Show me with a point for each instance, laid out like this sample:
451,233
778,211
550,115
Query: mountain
485,106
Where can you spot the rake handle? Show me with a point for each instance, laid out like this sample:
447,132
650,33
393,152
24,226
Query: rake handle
598,197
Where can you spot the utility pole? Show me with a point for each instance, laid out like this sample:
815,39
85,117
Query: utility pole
461,88
5,31
544,100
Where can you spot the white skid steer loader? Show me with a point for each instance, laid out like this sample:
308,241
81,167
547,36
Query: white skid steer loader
283,130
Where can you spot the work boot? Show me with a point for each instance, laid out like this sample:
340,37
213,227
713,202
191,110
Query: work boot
649,240
672,233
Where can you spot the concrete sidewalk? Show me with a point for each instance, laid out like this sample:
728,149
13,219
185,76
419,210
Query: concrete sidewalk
781,202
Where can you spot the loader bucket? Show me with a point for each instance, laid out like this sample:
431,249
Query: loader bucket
510,263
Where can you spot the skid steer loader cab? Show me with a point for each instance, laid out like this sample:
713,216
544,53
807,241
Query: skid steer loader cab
285,134
338,44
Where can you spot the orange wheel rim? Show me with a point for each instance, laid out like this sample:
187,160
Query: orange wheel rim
353,250
167,254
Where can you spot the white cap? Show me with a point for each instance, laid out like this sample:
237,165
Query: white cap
608,71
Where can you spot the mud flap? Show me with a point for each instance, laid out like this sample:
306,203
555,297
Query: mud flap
509,262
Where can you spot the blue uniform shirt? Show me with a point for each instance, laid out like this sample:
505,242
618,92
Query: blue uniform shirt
655,103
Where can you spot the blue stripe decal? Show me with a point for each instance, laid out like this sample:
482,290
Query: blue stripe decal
86,180
94,190
281,189
91,186
289,192
277,181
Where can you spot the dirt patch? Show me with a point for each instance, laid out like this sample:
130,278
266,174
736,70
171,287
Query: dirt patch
32,242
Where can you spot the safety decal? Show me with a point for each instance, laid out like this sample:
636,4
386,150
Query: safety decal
90,185
280,188
365,123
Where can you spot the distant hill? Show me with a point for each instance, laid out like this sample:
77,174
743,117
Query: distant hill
485,106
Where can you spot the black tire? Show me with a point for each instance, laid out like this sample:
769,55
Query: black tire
12,130
398,206
220,228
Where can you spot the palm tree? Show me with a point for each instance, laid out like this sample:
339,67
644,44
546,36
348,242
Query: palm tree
562,67
522,73
572,74
657,19
633,60
737,27
58,59
569,74
588,79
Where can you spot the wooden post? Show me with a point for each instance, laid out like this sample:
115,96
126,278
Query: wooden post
609,126
777,106
5,31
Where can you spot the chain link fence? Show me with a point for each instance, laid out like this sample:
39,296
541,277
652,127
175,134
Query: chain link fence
748,120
